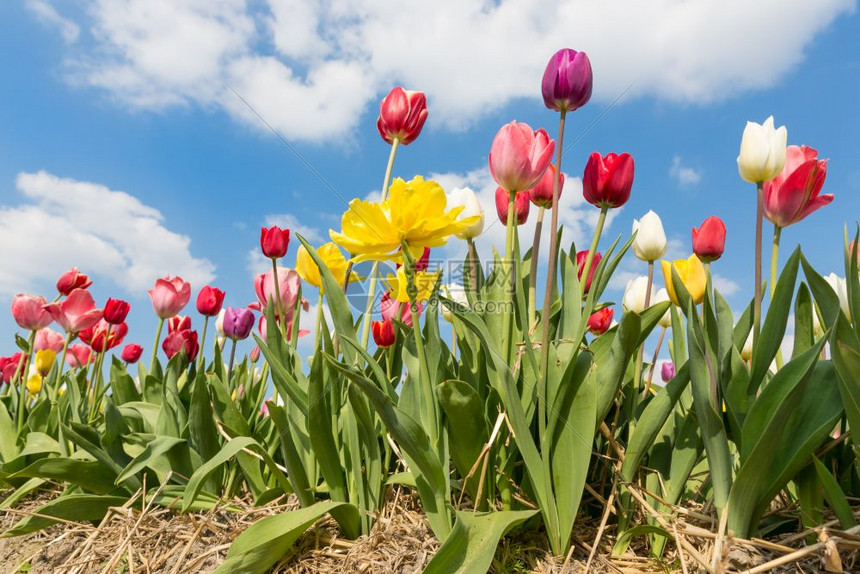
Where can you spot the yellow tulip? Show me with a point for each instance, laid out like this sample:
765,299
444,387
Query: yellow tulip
692,275
45,361
331,256
425,282
34,384
414,213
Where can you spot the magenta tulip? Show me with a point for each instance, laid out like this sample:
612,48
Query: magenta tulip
116,310
667,371
402,114
29,312
238,323
794,193
519,156
178,341
608,179
76,313
169,296
567,81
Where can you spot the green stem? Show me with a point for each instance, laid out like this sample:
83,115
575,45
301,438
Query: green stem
371,289
319,322
774,264
654,363
97,376
534,264
22,386
637,368
154,346
757,300
230,364
508,265
201,362
424,374
281,314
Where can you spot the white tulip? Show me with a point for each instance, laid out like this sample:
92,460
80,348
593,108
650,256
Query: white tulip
634,294
762,154
463,196
650,242
219,322
666,319
746,352
457,294
841,288
816,324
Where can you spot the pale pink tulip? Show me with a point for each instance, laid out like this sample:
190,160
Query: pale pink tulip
519,156
48,339
78,356
169,296
264,286
76,313
29,312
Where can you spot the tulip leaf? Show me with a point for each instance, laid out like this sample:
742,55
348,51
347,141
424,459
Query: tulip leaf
467,428
296,473
845,350
804,336
825,298
834,495
90,475
71,507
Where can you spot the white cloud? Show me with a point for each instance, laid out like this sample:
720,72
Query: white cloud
47,14
683,174
312,67
724,285
108,234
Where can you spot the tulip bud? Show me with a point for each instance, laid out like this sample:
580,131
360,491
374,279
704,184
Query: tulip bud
581,256
402,114
466,198
254,354
34,384
692,275
44,361
635,294
840,286
762,154
29,312
71,280
600,321
521,205
650,242
116,311
274,241
607,180
219,323
519,156
794,192
662,296
567,81
209,301
238,323
383,333
667,371
746,351
709,241
131,353
541,193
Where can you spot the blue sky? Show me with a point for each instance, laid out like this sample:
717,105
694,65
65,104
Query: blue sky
130,96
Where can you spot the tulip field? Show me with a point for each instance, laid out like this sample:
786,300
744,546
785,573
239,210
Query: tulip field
509,412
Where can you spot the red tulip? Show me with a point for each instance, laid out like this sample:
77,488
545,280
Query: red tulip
29,312
131,353
383,333
402,114
709,240
178,323
78,356
567,81
209,301
71,280
391,309
177,341
104,336
581,256
48,339
541,194
600,321
521,205
519,156
9,365
794,193
169,296
274,241
116,311
608,179
76,313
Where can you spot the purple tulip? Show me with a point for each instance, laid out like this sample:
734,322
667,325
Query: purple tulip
567,81
667,371
238,323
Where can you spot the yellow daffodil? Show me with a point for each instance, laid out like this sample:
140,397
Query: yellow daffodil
331,256
692,275
45,361
34,384
414,213
425,282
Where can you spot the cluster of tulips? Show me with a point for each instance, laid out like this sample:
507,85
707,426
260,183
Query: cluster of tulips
505,427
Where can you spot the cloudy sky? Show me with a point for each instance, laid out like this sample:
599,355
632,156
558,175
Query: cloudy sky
132,144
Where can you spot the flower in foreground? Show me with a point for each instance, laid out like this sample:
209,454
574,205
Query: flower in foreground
333,258
466,198
794,192
238,323
289,284
709,240
116,310
274,241
692,275
415,212
71,280
607,180
131,353
169,296
76,313
600,321
762,152
567,81
519,156
384,334
521,206
44,361
402,114
650,243
209,301
29,312
635,294
667,371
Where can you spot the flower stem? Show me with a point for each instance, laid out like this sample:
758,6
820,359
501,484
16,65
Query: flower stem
22,386
534,263
319,322
473,268
201,362
654,363
637,368
230,364
757,300
281,315
774,264
509,267
371,288
154,345
97,376
431,414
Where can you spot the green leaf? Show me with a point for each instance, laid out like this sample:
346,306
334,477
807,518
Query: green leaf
803,325
627,536
295,468
467,427
845,351
90,475
73,507
156,448
825,297
834,495
201,423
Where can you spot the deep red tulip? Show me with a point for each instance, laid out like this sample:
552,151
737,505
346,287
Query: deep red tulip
274,241
177,341
521,205
76,313
567,81
600,321
78,356
178,323
794,193
104,336
71,280
402,114
383,333
29,312
519,156
48,339
116,311
608,179
209,301
169,296
709,240
581,256
131,353
541,194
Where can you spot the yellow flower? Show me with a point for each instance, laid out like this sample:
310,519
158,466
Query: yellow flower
34,384
331,256
424,281
692,274
45,361
414,212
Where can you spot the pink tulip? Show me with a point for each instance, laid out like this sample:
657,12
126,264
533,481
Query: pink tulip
29,312
10,365
254,354
169,296
131,353
78,356
48,339
264,286
178,341
402,114
541,194
519,156
76,313
794,193
393,309
521,205
71,280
